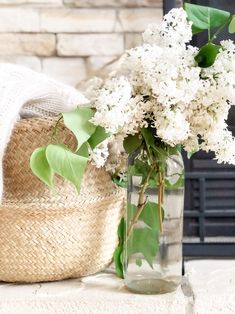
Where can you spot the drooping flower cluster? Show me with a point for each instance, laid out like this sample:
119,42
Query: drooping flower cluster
160,84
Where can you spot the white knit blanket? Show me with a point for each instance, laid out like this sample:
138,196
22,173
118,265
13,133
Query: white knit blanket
24,92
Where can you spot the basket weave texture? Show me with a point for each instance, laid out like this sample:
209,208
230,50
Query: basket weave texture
47,236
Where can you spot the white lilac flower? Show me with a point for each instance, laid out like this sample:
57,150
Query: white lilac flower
174,30
99,155
159,83
111,104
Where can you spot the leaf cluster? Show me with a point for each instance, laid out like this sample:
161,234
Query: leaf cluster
58,159
214,21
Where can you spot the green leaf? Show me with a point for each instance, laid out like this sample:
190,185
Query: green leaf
40,166
83,150
207,55
117,257
118,182
131,143
78,122
98,136
121,230
196,30
231,27
149,136
145,241
139,168
149,214
204,17
67,164
118,253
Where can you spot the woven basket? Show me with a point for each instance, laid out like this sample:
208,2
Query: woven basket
47,236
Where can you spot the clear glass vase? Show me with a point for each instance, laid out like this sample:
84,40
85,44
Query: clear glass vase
153,225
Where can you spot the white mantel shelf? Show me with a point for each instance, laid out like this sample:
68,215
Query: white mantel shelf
208,288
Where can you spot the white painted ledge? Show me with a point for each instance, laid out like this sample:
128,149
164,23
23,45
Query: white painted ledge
103,293
208,288
212,285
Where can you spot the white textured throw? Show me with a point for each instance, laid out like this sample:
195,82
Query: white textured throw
26,93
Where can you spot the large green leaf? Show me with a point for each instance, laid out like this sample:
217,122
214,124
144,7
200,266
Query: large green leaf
207,55
131,143
98,136
83,150
118,253
117,258
40,166
78,121
231,27
204,17
149,135
149,214
121,230
145,241
67,164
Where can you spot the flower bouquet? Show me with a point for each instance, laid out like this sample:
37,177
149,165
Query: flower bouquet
166,95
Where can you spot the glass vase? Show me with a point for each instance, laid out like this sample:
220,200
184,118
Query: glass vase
153,224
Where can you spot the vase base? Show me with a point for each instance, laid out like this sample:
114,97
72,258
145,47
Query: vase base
153,286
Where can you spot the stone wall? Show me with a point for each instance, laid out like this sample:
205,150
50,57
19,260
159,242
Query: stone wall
71,39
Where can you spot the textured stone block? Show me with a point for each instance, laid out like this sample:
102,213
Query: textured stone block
19,20
67,70
136,20
96,65
27,44
77,20
90,44
132,40
33,63
44,2
114,3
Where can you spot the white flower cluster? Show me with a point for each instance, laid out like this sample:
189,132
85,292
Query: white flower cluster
160,84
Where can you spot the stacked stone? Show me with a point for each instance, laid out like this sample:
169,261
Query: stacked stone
71,39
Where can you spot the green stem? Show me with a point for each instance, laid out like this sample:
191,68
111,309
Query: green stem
161,187
54,129
141,202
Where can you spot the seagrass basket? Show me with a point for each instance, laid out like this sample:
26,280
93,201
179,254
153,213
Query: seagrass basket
44,235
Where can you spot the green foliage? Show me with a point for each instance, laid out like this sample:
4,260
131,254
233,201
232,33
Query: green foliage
207,18
46,161
144,241
67,164
83,150
131,143
139,168
98,136
118,254
207,55
78,122
204,17
119,182
40,166
231,27
149,214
